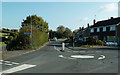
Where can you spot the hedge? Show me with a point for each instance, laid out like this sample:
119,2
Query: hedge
25,41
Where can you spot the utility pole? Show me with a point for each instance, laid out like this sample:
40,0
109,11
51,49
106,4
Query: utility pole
31,31
73,39
31,27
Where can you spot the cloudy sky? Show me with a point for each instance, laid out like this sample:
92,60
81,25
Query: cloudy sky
69,14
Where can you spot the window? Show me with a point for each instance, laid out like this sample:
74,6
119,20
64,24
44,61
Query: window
92,30
98,29
104,29
112,28
111,38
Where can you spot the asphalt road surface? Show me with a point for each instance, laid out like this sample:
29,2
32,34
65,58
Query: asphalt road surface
50,59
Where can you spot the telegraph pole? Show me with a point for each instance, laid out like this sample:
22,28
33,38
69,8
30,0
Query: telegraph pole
73,39
31,31
31,27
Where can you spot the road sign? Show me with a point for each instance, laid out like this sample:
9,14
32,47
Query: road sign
27,33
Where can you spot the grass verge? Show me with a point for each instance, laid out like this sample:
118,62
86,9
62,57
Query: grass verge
2,44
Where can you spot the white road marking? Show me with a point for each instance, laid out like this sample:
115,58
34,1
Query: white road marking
82,56
76,51
1,60
0,73
71,58
15,63
7,61
101,57
19,68
57,49
1,63
8,64
61,56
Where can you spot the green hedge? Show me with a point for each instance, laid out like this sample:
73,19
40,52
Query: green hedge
25,41
38,39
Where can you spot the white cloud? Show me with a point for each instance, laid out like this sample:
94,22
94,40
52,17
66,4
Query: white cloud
109,7
84,19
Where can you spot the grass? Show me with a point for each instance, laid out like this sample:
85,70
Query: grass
4,34
75,44
2,44
78,45
89,45
62,39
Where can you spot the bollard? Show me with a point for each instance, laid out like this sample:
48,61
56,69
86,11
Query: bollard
63,46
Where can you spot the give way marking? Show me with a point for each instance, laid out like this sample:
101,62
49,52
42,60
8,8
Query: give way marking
19,68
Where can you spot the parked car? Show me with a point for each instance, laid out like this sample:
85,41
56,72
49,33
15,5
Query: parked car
54,39
111,44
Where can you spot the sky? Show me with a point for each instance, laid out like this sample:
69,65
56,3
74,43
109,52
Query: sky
69,14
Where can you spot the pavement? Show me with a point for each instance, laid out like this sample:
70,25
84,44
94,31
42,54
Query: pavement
51,59
97,47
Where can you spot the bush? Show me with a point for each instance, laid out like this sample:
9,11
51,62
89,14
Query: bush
119,43
94,41
25,41
91,41
99,42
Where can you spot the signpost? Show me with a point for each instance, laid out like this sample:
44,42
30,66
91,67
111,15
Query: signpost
27,33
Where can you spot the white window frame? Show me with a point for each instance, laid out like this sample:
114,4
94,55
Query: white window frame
112,28
92,30
104,29
98,29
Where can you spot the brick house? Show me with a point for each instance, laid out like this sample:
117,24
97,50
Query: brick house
118,33
105,30
86,33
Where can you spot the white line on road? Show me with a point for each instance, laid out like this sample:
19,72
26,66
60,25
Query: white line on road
19,68
101,57
15,63
82,56
61,56
56,49
0,73
7,61
1,60
8,64
1,63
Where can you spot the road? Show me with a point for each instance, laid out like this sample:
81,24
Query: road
50,59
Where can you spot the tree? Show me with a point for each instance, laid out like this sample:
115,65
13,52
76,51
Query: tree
67,33
36,21
60,31
34,40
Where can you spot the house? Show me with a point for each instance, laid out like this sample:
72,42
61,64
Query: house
78,34
105,30
86,33
118,33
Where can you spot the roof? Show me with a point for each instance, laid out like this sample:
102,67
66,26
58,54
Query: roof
111,21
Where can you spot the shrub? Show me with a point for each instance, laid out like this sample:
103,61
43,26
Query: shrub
25,41
91,41
99,42
94,41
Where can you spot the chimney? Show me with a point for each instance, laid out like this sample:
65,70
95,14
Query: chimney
94,22
88,25
111,17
